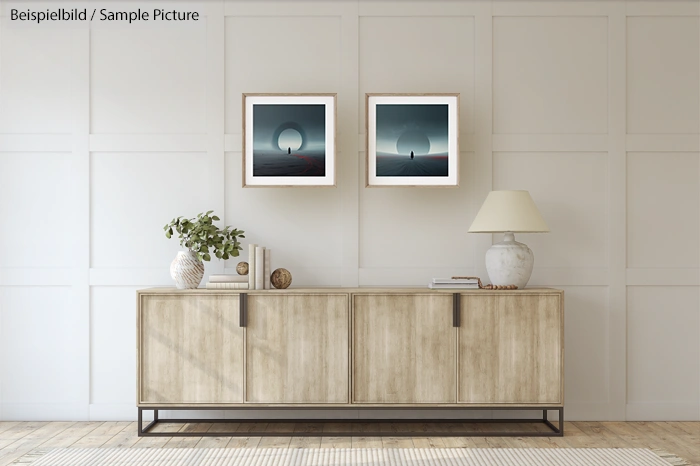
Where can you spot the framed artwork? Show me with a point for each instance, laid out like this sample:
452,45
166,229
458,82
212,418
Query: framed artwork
412,140
289,140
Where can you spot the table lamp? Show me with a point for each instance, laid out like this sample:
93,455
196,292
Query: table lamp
509,212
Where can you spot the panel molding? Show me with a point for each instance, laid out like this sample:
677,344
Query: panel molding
39,276
81,237
617,209
36,142
348,167
150,142
548,8
422,9
663,8
309,8
216,113
44,411
550,142
663,276
663,411
663,142
483,127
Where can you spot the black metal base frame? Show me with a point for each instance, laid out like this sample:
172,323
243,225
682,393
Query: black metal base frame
555,431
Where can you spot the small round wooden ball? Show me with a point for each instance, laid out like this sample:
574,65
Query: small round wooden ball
242,268
281,279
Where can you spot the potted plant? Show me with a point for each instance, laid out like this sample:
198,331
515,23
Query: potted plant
201,238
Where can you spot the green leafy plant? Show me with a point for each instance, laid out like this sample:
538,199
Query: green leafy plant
200,234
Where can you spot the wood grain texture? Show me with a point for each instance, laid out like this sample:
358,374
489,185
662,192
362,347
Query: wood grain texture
297,348
511,349
403,349
190,349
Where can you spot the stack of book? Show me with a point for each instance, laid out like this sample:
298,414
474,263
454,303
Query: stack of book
228,282
453,283
259,267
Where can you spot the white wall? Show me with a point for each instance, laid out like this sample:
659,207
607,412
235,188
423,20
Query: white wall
593,106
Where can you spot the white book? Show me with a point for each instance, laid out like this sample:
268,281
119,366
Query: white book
267,271
227,286
455,280
251,266
259,268
228,278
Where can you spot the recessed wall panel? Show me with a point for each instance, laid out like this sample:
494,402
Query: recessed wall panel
423,54
663,209
280,54
419,227
148,80
663,71
663,344
42,346
550,75
35,80
36,201
112,344
133,195
587,350
571,191
302,226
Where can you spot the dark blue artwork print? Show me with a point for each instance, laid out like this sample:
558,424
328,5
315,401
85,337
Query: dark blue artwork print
412,140
289,140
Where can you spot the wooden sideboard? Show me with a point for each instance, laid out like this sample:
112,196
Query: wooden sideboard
345,348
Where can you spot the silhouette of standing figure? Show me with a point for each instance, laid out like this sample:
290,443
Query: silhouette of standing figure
289,151
411,155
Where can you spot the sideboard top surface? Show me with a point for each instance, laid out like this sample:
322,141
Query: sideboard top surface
363,290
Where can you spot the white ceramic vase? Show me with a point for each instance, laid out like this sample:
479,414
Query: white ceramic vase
187,270
509,262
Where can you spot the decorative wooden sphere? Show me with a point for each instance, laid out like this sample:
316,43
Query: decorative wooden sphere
281,279
242,268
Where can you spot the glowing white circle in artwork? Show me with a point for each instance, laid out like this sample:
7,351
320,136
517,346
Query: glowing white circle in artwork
289,139
413,141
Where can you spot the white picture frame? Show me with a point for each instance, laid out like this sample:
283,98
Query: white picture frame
306,123
395,123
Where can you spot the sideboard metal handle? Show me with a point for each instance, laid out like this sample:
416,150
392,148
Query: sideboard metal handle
243,309
456,297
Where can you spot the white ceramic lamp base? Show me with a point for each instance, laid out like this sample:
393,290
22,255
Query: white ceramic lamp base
509,262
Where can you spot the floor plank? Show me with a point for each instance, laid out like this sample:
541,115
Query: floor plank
125,439
101,435
31,441
72,434
305,442
366,442
19,438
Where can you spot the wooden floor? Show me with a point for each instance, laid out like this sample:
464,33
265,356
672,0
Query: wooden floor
19,438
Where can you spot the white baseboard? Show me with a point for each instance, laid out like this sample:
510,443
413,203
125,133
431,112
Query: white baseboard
663,411
581,411
114,412
668,411
44,411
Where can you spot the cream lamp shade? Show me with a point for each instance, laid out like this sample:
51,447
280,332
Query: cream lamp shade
513,211
509,262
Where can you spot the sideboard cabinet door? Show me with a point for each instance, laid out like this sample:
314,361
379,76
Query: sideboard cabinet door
190,349
403,348
297,348
511,349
